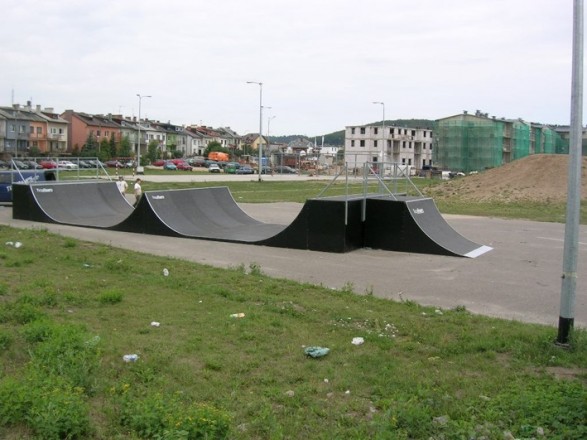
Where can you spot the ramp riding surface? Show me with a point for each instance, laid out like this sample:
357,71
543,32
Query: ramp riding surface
88,203
409,224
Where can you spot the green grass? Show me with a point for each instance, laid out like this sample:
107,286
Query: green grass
66,322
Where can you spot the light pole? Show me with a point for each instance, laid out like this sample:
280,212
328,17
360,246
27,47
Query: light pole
268,127
139,169
382,136
260,125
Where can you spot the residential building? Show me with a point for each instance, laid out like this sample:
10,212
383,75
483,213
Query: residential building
83,126
473,142
25,131
389,144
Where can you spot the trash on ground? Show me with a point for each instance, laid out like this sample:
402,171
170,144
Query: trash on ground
290,393
237,315
155,324
316,352
15,244
130,357
358,341
165,272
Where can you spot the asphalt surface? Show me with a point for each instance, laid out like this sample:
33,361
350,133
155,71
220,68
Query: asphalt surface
519,279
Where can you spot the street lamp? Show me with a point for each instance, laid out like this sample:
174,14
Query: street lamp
382,135
139,169
260,125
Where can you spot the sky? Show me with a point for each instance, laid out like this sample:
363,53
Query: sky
322,63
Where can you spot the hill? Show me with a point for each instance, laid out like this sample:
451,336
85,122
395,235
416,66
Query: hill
540,177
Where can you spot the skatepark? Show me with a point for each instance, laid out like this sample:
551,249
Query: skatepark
519,279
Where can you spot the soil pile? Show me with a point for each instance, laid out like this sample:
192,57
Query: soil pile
540,177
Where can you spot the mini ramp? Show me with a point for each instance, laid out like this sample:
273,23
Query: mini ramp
409,224
333,224
92,203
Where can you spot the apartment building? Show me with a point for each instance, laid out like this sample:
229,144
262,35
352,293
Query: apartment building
388,144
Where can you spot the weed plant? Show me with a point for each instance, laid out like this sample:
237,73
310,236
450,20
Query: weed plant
70,310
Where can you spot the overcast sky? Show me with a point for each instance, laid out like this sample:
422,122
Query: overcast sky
322,62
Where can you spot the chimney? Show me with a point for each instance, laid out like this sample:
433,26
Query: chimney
38,107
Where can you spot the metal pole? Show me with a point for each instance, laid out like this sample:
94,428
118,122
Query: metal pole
139,135
260,125
570,251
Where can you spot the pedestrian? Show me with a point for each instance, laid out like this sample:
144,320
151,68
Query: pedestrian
122,185
138,192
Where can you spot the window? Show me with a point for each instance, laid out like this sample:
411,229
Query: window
375,143
409,161
362,130
362,143
12,127
353,130
403,144
403,160
98,133
21,129
410,145
352,143
39,130
61,131
376,130
31,130
413,132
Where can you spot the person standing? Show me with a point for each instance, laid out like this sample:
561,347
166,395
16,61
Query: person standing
138,192
122,185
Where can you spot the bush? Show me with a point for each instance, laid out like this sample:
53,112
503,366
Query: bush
166,417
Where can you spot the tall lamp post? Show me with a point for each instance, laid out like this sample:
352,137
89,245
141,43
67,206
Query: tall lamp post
139,168
260,125
382,136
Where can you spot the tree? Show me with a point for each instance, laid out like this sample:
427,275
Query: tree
104,151
112,146
125,147
153,150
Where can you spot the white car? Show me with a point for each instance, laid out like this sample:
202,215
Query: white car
68,165
213,168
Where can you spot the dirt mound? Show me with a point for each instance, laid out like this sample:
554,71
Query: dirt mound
540,177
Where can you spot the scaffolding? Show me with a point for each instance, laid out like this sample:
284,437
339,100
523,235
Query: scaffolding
476,142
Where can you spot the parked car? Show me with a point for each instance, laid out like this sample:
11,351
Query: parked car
114,164
245,169
170,166
19,164
231,167
33,165
284,170
158,163
213,168
48,164
197,161
183,166
67,164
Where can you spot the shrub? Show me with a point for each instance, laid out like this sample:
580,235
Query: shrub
110,297
167,417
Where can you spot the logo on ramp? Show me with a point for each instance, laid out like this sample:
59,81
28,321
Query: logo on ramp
418,210
44,190
158,197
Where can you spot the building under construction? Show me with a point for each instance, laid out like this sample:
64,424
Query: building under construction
474,142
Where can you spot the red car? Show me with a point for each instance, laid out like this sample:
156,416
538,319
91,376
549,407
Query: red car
159,163
48,164
184,166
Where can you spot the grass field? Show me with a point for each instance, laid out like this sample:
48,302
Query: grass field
70,310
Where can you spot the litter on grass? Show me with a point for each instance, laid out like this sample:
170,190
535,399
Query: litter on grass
358,341
165,272
316,352
15,244
237,315
155,324
130,357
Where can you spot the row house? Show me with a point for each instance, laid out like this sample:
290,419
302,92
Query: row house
388,144
25,130
82,126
